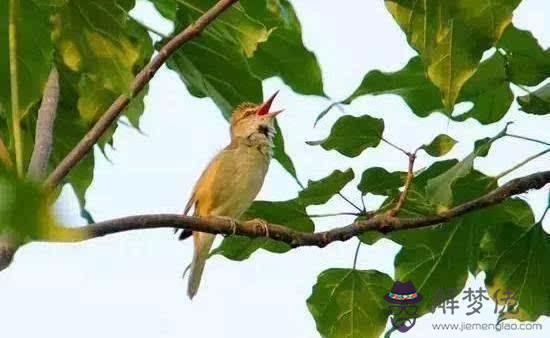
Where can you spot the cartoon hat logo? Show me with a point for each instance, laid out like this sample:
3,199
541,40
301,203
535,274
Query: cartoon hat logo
403,297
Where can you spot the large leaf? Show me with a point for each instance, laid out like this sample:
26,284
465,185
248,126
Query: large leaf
379,181
350,303
451,36
440,257
515,261
98,57
290,213
410,83
538,102
319,192
488,89
34,55
439,189
351,135
284,54
528,64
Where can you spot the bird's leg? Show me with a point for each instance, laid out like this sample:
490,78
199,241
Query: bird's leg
233,224
262,223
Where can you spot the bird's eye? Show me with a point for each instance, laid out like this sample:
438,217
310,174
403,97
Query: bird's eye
249,112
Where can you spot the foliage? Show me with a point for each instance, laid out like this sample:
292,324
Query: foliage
99,55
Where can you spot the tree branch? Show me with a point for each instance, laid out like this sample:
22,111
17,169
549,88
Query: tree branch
44,128
379,222
141,80
408,181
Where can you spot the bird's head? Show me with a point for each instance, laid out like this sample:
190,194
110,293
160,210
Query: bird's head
251,118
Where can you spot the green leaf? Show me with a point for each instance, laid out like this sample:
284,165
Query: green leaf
351,135
440,257
284,54
214,65
290,213
451,36
527,63
350,303
103,51
98,57
410,83
166,8
488,89
34,54
379,181
319,192
482,146
440,145
538,102
417,202
440,188
515,261
34,61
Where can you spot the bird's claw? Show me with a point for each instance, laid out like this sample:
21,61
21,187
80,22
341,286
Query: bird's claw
262,223
233,225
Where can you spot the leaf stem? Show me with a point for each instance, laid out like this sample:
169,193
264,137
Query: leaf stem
356,253
15,114
395,146
522,163
350,202
406,186
528,139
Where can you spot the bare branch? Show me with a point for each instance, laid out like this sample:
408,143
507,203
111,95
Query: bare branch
405,192
44,128
141,80
380,222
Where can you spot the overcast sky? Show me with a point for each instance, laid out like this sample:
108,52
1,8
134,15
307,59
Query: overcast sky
130,284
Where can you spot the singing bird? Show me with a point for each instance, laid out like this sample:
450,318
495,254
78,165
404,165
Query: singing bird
231,181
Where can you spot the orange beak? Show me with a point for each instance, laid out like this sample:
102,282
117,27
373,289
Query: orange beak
264,108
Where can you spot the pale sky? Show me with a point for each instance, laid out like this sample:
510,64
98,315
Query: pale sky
130,284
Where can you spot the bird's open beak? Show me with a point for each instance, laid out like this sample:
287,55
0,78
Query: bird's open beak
264,108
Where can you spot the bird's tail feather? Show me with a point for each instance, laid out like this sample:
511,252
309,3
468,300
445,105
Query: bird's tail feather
203,243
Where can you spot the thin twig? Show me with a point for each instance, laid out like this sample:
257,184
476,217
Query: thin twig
141,80
350,202
44,128
379,222
521,164
356,253
528,139
406,186
395,146
14,85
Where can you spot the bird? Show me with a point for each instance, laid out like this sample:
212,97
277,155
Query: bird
233,178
